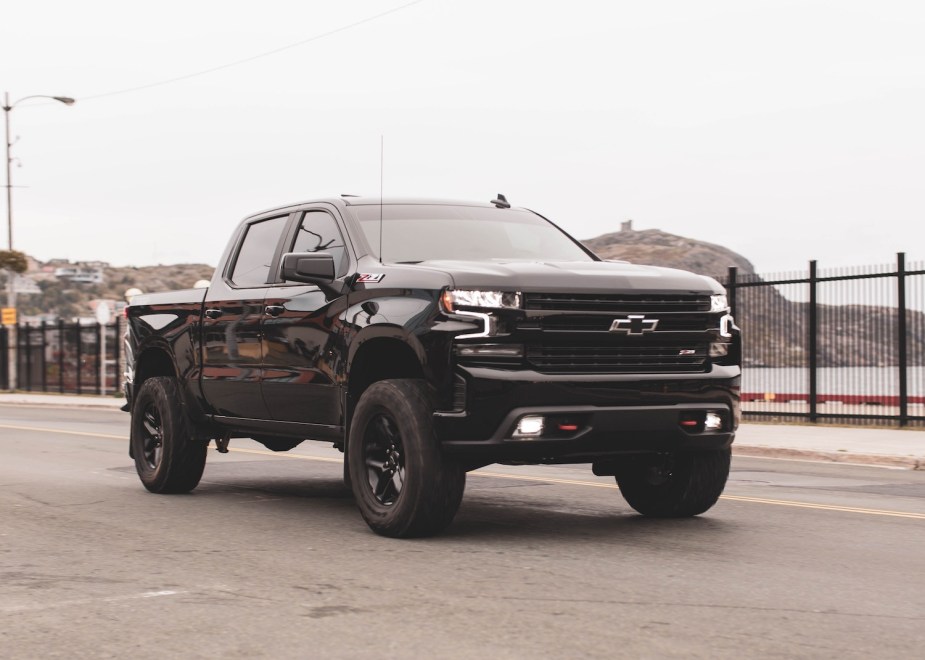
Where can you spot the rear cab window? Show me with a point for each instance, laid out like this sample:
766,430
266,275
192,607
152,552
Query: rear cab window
257,252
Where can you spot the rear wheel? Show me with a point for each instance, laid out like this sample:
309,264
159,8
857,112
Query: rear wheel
404,485
168,458
675,485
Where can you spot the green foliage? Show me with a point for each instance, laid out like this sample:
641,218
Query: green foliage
14,261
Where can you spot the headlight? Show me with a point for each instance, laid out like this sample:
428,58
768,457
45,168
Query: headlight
718,303
480,299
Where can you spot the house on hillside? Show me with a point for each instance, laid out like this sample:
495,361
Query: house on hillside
81,273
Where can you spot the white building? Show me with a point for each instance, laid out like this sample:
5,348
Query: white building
80,274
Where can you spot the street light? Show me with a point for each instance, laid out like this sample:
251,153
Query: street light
7,108
11,275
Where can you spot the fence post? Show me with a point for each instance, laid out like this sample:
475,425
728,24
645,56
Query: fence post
44,359
12,365
4,358
61,342
731,289
100,358
28,346
79,331
901,325
813,347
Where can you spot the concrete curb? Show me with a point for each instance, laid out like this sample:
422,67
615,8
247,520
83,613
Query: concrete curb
907,462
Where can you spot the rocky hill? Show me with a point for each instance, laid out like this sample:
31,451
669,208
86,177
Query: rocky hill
659,248
63,298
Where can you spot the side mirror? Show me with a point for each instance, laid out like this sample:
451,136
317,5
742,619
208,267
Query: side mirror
308,267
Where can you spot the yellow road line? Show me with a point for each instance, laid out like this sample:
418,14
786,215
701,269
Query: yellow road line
551,480
520,477
826,507
735,498
263,452
61,406
63,432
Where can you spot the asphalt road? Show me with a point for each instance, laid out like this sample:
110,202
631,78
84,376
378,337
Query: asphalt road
270,558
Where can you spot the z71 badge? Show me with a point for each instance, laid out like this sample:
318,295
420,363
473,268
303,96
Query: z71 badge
370,277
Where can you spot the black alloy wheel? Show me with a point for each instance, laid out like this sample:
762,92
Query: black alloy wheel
169,458
152,437
402,481
385,460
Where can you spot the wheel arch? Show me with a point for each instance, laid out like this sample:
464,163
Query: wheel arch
380,356
154,360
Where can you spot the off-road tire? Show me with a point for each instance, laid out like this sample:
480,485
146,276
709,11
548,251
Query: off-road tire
404,485
168,458
676,485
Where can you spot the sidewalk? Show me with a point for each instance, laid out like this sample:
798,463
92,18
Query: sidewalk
864,445
867,445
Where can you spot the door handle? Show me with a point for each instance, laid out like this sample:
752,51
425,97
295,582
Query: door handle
274,310
213,313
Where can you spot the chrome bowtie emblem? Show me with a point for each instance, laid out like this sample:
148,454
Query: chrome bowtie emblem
634,324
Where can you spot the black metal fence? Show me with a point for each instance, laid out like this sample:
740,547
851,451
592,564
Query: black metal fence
64,357
844,346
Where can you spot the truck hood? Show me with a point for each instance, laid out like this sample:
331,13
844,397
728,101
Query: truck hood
572,276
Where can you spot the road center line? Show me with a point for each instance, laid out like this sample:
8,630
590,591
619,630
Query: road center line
827,507
63,432
520,477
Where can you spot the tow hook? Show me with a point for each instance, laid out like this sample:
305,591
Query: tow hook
221,444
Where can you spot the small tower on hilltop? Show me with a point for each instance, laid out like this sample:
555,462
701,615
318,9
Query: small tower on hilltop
626,225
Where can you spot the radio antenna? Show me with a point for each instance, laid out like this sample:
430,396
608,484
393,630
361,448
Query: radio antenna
381,168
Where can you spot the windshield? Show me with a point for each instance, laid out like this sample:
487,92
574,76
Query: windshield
421,232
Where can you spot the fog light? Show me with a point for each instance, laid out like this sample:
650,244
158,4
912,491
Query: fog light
531,425
713,422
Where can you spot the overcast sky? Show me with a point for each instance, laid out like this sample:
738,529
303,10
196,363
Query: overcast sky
783,130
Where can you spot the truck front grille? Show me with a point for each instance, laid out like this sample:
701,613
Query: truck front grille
602,322
617,303
609,334
575,333
594,359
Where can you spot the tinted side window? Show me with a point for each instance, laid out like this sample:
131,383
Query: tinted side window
252,267
318,232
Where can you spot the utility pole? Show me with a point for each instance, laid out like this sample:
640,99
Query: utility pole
11,275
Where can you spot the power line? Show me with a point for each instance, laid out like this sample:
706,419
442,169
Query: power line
228,65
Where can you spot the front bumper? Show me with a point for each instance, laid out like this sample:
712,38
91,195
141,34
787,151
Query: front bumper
603,415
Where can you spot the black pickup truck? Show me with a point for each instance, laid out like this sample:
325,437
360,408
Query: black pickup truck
425,339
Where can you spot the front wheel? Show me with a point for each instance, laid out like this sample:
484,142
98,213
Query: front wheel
404,485
168,458
675,485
